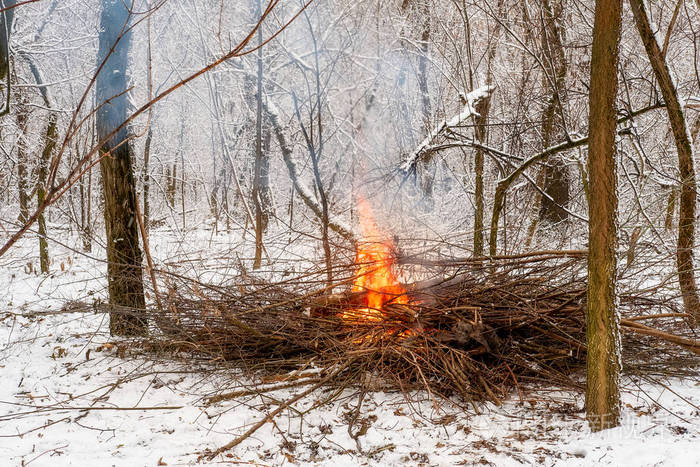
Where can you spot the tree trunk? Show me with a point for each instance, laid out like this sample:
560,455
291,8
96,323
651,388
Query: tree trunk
51,135
49,144
481,133
556,175
316,154
6,18
424,43
686,212
257,175
602,333
85,206
22,172
147,180
183,205
124,273
171,184
670,207
423,65
175,180
88,212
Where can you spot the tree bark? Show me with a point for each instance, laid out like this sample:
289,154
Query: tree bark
481,132
147,180
670,207
6,18
50,143
260,222
602,327
86,203
22,173
171,184
684,147
424,43
85,221
183,206
555,176
124,273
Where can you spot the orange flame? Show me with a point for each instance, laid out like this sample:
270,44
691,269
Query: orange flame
375,273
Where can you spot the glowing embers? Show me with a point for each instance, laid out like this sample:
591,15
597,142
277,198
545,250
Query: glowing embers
375,271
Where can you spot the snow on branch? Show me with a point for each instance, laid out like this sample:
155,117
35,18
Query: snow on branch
469,110
304,192
693,102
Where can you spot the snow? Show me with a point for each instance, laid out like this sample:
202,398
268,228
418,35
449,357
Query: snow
469,110
72,395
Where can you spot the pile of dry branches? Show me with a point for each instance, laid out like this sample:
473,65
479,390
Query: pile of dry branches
475,329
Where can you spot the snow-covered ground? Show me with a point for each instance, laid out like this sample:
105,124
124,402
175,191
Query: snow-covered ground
71,395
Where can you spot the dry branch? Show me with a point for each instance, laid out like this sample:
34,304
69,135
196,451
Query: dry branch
472,328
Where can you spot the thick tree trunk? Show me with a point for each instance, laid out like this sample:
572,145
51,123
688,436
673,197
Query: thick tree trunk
602,333
686,213
124,273
556,175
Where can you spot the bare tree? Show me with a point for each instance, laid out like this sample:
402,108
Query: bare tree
481,130
261,168
684,148
124,273
49,145
22,118
555,173
44,160
6,17
146,175
602,334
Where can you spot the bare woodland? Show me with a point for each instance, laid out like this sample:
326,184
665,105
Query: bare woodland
525,172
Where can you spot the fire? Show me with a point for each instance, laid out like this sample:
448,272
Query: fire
375,274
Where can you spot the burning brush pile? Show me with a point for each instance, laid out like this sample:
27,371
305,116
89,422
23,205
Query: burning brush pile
472,328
